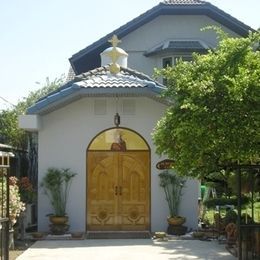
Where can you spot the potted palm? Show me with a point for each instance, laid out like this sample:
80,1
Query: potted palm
56,184
172,185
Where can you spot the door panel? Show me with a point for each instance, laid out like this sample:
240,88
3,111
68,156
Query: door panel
135,182
118,191
102,201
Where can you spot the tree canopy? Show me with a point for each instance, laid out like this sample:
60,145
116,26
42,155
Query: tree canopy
213,116
9,130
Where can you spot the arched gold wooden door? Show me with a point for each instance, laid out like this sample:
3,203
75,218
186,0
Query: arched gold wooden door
134,199
102,205
118,193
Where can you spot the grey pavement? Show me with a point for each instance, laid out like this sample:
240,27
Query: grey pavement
126,249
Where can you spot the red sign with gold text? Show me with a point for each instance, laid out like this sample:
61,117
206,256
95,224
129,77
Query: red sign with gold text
165,164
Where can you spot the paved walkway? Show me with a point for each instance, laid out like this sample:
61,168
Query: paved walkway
126,249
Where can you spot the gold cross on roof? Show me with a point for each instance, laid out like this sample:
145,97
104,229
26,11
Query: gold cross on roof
114,54
114,41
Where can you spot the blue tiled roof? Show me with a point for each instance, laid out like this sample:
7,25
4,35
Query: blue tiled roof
99,82
89,58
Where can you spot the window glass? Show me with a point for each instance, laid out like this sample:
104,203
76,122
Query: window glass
170,61
183,58
118,139
167,62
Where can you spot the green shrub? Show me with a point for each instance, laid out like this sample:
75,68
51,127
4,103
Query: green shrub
212,203
231,216
56,184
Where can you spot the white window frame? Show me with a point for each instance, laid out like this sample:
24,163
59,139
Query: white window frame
173,60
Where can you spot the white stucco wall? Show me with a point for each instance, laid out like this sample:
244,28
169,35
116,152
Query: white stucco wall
29,122
164,28
63,141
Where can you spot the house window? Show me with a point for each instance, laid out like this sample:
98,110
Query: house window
126,137
186,58
170,61
166,62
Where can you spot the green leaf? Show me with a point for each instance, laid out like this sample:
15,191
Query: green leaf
214,117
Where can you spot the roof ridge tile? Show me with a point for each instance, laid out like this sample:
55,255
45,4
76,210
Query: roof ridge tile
184,2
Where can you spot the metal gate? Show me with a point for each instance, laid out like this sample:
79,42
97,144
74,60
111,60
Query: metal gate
4,205
249,229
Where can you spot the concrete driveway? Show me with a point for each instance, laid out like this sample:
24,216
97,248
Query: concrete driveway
126,249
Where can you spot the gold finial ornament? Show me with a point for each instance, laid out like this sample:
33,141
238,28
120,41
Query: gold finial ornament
114,68
114,41
114,54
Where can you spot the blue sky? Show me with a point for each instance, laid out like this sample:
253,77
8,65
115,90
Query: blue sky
38,37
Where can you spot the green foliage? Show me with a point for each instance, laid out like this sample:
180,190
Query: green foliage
219,181
56,184
172,185
9,130
213,202
245,182
213,117
230,217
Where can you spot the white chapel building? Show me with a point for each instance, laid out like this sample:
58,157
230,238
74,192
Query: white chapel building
99,123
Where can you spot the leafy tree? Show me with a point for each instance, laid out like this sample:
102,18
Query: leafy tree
9,130
213,116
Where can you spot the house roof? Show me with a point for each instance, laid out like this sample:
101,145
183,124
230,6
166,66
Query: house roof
71,75
99,83
178,46
5,146
88,58
184,2
5,151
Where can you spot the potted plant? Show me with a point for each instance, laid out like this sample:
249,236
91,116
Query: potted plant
56,184
172,185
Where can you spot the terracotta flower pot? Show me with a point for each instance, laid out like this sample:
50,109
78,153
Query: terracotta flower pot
59,220
176,220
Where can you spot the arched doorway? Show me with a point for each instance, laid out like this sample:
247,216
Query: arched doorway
118,182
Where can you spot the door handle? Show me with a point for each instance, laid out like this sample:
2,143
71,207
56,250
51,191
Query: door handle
118,190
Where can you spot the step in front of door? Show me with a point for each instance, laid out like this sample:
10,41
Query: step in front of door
118,234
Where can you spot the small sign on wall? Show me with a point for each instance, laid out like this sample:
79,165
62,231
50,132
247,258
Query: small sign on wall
165,164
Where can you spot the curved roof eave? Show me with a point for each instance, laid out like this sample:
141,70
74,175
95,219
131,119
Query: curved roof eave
99,82
70,95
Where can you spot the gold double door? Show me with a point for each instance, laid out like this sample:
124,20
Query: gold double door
118,194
